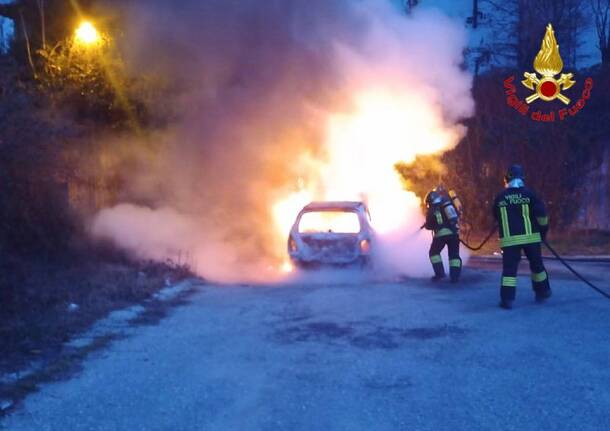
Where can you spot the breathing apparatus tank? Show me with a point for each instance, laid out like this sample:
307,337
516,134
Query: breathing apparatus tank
450,211
457,203
451,204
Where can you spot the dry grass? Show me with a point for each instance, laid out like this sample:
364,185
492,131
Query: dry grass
37,317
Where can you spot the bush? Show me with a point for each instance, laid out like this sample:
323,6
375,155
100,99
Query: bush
89,80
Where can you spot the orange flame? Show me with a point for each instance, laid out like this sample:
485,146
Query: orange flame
363,146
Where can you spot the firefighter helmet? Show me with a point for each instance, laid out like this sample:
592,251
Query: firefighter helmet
433,198
514,172
440,190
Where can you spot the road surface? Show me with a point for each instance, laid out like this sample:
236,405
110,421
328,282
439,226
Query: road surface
350,355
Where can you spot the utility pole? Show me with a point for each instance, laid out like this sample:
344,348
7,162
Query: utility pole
475,13
43,29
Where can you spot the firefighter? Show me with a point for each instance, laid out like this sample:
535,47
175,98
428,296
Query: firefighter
442,219
523,224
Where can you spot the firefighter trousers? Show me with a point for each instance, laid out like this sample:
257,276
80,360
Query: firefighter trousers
455,262
511,256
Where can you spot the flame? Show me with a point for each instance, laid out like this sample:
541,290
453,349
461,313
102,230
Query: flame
286,267
329,221
548,61
385,127
286,210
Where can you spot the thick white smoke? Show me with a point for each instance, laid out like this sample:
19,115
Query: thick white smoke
255,87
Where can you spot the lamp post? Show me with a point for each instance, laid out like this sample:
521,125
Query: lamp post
86,35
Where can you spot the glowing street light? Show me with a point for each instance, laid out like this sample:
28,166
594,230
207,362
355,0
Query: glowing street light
86,34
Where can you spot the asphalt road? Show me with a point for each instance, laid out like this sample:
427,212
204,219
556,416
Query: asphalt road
350,355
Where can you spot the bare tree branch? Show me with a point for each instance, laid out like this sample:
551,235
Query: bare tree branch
27,43
601,11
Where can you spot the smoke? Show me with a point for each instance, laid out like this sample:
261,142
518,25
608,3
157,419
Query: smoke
255,91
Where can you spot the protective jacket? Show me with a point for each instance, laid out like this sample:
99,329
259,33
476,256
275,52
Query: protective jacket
521,216
442,219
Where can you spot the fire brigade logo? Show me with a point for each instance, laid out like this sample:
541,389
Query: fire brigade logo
548,64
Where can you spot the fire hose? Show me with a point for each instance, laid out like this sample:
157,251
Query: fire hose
560,259
468,246
552,250
487,238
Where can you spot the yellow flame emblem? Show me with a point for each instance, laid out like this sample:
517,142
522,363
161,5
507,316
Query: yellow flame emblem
548,63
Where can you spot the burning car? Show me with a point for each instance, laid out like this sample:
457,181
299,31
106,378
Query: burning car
331,233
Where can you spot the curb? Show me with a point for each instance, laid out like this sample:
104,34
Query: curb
583,259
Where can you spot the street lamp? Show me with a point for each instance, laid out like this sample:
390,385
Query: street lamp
86,34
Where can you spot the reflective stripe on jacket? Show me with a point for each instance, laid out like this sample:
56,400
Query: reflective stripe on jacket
521,217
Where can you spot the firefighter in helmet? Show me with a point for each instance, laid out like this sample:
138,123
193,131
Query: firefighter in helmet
442,220
523,224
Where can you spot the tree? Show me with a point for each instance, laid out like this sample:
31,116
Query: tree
601,12
518,27
39,22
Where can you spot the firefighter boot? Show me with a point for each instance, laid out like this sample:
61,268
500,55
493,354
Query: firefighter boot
455,269
437,265
508,292
506,304
541,286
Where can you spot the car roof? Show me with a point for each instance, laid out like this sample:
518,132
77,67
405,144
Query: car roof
334,205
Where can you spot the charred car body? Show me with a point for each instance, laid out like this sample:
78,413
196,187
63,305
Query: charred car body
331,233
